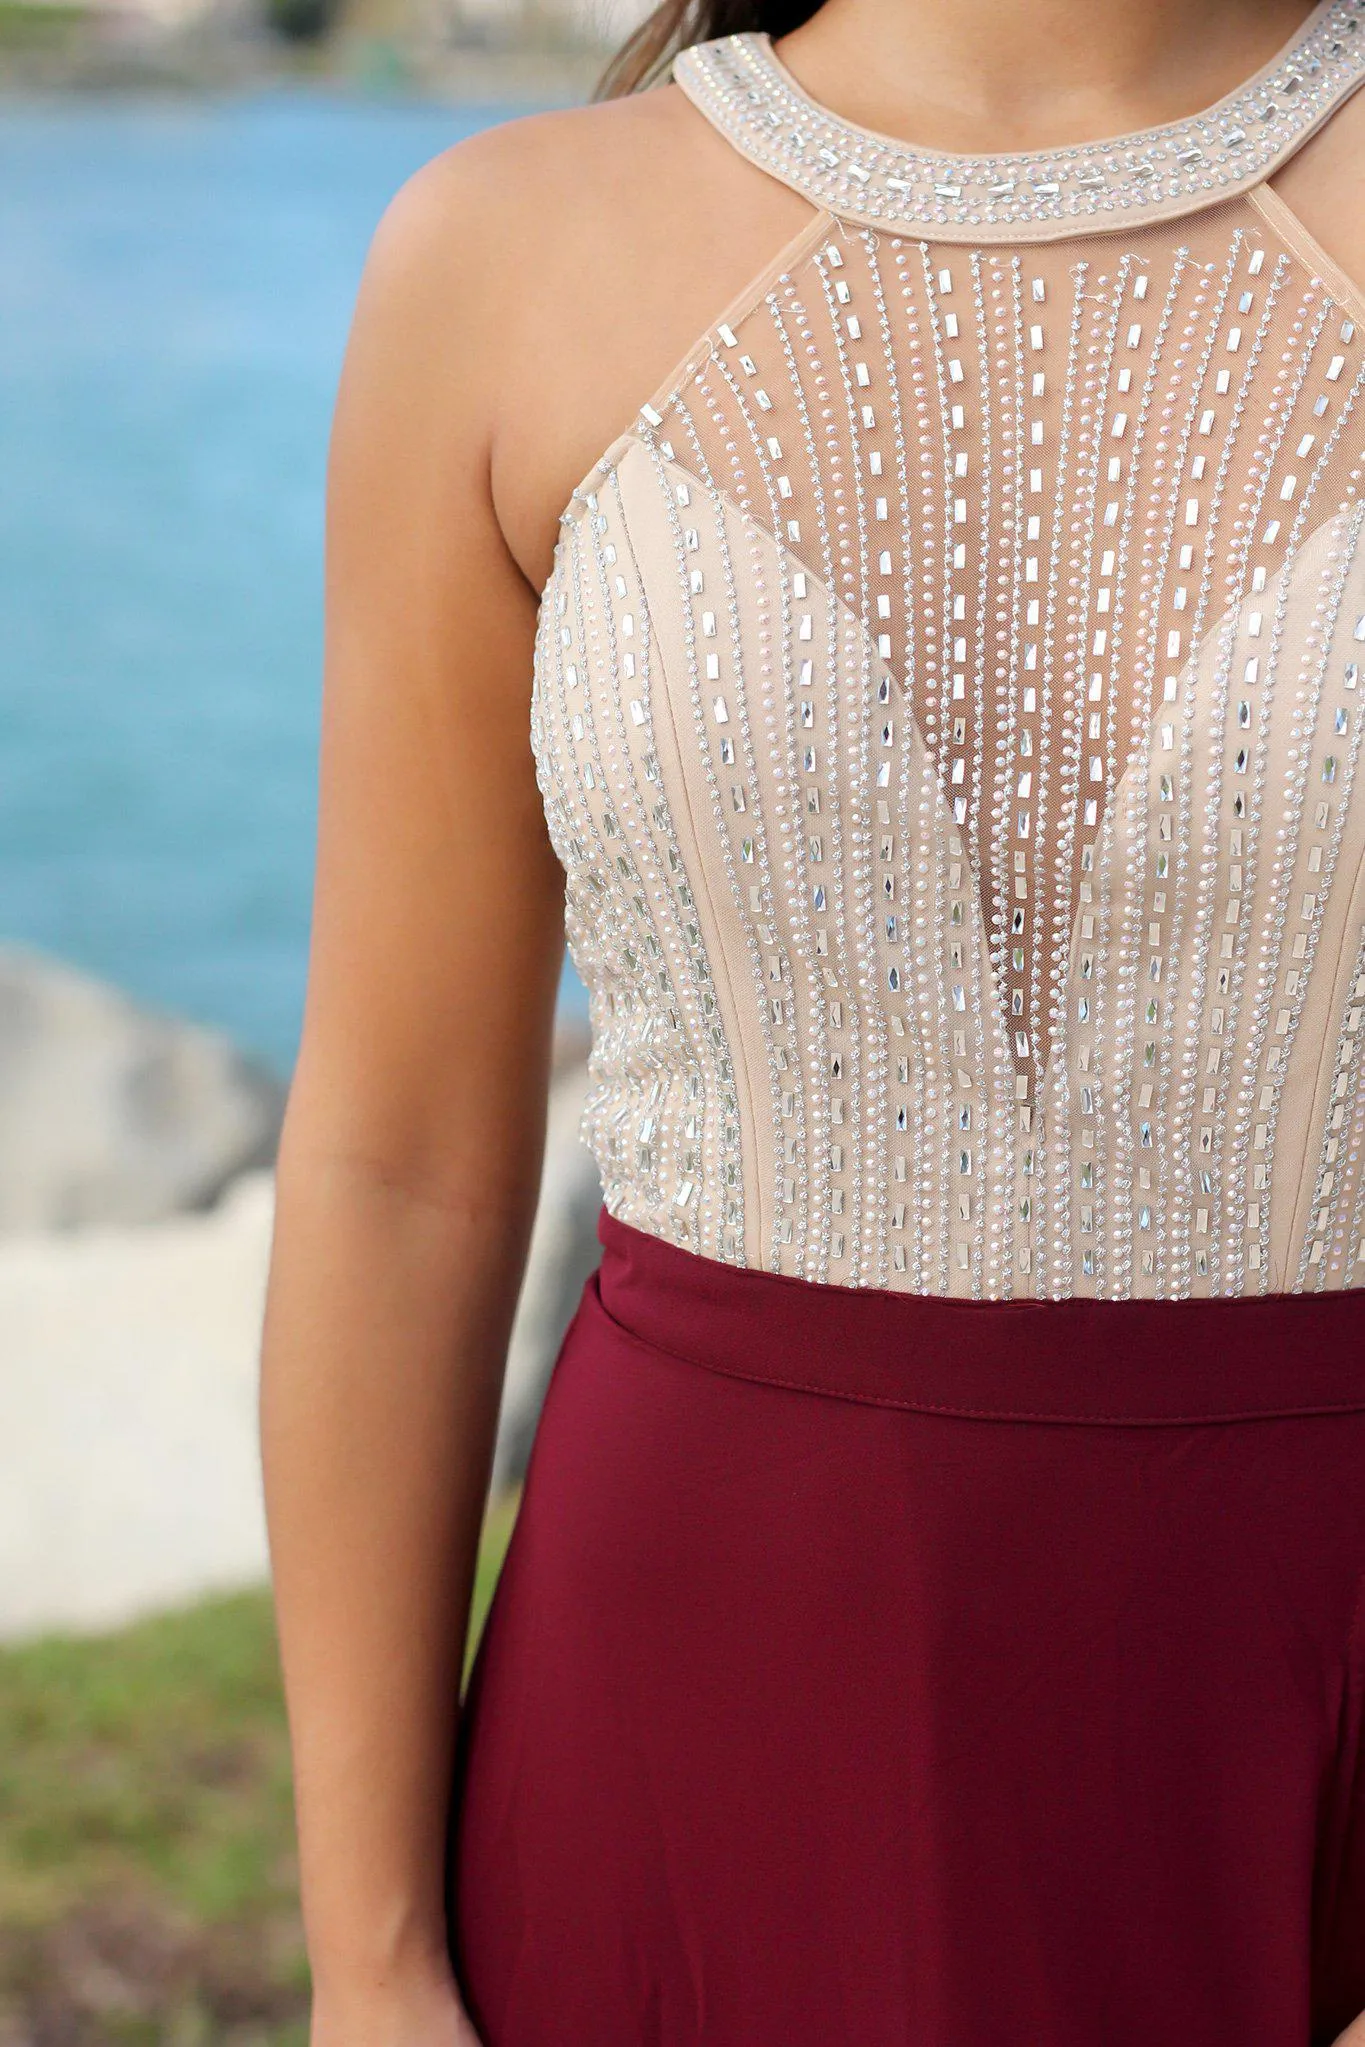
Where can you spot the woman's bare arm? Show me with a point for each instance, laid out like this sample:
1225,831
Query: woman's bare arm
524,295
412,1148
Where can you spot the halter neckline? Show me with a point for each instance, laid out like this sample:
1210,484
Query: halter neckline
743,88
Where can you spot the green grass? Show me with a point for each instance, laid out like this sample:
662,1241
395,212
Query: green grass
25,26
148,1882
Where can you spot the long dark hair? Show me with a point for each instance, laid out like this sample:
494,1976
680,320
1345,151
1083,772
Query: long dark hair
646,55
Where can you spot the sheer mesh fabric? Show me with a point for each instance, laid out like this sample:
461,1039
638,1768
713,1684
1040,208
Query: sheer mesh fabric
947,713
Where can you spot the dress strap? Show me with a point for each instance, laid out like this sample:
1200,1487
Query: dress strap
742,87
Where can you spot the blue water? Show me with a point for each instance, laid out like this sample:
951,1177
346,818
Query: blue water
176,281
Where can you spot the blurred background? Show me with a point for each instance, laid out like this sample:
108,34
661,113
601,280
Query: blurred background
187,191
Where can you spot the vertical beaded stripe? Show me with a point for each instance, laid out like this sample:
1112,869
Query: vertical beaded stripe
947,711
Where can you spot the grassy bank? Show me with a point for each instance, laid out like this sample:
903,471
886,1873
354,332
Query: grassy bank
148,1886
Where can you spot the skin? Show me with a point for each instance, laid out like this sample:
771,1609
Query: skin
469,409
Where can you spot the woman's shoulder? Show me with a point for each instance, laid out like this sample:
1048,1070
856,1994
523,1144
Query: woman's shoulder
536,281
527,193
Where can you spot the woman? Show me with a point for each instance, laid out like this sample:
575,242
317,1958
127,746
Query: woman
900,557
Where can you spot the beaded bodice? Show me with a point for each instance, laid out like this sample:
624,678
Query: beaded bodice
948,714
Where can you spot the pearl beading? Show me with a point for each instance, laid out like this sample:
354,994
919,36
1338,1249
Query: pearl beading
948,712
743,88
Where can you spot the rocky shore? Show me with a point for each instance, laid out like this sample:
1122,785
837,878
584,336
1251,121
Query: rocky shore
135,1212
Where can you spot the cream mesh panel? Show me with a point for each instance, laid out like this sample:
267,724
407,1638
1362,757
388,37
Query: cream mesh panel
949,715
1036,477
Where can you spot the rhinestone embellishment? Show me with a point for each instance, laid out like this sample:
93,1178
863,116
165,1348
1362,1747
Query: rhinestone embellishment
948,709
743,88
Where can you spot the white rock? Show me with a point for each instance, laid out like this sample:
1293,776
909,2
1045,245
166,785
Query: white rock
129,1463
564,1250
109,1114
129,1475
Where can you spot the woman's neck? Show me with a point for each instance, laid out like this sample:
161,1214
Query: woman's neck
999,75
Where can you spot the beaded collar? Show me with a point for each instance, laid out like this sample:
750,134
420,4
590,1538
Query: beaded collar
744,90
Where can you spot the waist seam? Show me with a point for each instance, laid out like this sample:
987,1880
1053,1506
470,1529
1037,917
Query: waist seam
726,1368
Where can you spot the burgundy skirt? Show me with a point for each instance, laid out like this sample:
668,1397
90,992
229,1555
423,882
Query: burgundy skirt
874,1671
